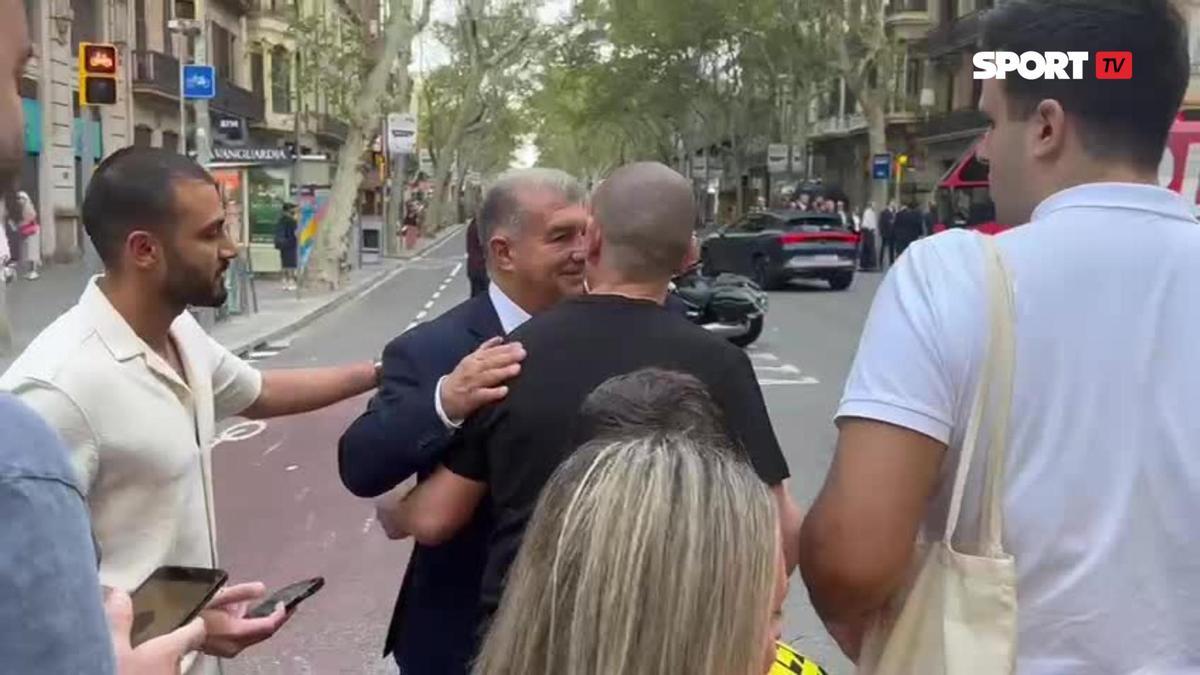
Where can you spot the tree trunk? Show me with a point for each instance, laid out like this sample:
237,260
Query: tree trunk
872,105
395,215
324,270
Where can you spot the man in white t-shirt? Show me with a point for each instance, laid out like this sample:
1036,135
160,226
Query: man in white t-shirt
1102,480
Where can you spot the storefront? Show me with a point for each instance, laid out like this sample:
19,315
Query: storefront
264,183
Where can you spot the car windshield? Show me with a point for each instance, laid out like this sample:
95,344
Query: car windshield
814,224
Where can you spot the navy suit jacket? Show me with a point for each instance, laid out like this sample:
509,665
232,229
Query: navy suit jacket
435,626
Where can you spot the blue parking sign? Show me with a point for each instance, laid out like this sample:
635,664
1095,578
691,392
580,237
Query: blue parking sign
881,166
199,82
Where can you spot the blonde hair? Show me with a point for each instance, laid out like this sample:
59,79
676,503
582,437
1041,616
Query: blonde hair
651,555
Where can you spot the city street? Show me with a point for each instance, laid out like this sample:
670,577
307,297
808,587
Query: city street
283,514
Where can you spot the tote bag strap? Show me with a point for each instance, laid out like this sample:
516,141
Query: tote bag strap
993,395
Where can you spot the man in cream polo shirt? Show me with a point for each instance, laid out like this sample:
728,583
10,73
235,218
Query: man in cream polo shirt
136,387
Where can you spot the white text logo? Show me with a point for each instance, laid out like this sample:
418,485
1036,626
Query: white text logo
1030,65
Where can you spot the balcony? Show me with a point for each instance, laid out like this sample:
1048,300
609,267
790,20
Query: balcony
838,125
965,122
235,100
953,36
909,20
331,128
155,74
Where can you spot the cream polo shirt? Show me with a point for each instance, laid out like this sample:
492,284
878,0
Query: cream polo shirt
140,436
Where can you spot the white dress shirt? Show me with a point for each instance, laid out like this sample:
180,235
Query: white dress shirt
511,317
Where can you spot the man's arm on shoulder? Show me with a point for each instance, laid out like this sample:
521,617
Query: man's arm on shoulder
399,434
894,423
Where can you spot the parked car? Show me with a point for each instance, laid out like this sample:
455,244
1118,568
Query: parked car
774,246
728,305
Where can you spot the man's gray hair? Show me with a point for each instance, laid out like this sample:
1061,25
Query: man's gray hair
502,206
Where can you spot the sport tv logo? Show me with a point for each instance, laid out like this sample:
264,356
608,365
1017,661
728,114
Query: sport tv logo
1110,65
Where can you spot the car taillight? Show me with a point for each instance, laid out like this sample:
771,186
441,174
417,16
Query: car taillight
801,237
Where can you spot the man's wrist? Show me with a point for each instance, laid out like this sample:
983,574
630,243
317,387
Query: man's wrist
441,411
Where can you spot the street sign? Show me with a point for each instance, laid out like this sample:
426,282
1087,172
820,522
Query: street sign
881,166
402,133
199,82
700,167
777,158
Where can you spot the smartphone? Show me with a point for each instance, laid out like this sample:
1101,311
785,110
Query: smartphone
290,596
170,598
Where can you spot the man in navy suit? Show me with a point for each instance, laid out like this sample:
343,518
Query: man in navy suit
434,376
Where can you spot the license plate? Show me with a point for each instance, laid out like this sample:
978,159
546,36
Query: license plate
825,258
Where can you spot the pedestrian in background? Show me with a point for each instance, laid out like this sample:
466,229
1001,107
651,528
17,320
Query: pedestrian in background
887,235
288,245
440,373
870,227
136,388
930,216
20,219
907,227
1086,419
477,273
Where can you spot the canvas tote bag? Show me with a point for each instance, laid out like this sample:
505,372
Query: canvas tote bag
958,614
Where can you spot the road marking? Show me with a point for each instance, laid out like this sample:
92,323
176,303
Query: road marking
785,368
291,467
421,316
367,525
456,269
410,326
765,356
436,296
303,493
242,431
273,448
778,383
429,305
263,355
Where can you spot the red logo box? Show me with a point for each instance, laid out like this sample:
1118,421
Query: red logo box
1114,65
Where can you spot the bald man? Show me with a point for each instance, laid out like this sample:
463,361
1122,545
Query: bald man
640,235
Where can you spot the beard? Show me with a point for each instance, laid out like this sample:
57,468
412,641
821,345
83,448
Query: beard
190,285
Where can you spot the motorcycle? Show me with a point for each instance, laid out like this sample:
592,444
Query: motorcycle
729,305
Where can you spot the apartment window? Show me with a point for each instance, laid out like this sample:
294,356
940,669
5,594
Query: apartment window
142,136
139,25
170,140
914,80
257,77
222,57
281,81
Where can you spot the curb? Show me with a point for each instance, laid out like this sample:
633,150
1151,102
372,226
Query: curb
346,296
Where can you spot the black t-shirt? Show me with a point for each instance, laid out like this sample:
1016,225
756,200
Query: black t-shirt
515,445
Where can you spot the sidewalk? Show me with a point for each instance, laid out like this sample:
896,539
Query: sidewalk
33,305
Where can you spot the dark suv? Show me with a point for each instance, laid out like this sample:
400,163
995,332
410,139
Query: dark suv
774,246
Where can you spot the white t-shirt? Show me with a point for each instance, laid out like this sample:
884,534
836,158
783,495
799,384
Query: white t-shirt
1102,492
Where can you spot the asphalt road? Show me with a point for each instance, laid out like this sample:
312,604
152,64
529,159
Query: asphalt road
283,514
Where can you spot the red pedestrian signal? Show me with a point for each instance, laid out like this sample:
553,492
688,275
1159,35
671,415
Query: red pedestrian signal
97,74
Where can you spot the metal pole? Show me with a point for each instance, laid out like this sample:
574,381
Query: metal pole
203,142
91,260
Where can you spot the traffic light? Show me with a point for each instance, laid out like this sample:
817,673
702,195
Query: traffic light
97,74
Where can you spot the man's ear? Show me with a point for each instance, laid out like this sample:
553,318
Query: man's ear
595,240
143,249
692,257
1048,129
500,251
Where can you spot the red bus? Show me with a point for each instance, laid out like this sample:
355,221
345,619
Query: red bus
963,198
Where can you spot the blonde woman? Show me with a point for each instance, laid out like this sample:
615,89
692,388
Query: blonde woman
654,554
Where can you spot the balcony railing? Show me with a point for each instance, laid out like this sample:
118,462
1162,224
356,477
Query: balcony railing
155,73
235,100
839,125
957,122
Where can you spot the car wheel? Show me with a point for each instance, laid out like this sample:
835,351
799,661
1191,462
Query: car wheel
746,339
762,273
841,281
